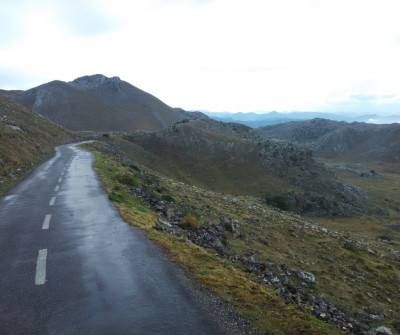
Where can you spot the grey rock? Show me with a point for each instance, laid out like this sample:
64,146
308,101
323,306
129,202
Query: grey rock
306,276
378,317
383,331
253,259
397,326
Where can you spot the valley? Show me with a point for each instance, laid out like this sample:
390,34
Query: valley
297,225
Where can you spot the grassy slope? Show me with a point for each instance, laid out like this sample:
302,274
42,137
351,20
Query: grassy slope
357,278
201,158
385,195
21,149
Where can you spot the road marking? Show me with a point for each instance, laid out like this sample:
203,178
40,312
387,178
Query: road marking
59,180
62,173
46,221
40,277
57,188
52,201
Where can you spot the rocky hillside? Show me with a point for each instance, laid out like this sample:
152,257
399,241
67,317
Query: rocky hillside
277,270
25,137
354,142
97,103
235,159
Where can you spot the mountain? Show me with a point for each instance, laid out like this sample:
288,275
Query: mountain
272,118
97,103
235,159
25,137
354,142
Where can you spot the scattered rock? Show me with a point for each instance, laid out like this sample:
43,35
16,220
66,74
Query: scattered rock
383,331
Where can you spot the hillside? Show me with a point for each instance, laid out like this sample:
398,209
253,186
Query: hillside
25,138
351,142
97,103
281,272
233,158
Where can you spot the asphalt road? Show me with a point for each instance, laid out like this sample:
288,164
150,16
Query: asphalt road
70,265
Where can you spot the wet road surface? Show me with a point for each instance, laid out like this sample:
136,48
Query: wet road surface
70,265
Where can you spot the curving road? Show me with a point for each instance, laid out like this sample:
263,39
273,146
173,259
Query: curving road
70,265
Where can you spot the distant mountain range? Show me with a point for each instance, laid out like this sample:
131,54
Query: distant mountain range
97,103
255,120
356,141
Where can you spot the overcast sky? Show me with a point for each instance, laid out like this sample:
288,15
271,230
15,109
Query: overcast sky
216,55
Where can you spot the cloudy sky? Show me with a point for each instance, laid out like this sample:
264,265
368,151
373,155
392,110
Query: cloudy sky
217,55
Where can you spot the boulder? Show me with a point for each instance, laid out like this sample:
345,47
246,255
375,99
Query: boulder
306,276
383,331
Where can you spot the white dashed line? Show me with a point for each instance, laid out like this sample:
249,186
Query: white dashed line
62,173
52,201
59,180
46,221
40,277
57,188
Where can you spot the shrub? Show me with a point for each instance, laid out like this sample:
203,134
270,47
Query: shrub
189,222
228,226
280,201
134,167
127,179
168,198
114,197
350,246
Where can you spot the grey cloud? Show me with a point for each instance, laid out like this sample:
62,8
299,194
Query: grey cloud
365,104
183,2
371,97
11,79
85,18
11,14
9,31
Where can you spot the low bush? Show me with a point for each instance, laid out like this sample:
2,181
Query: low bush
189,222
168,197
280,201
114,197
127,179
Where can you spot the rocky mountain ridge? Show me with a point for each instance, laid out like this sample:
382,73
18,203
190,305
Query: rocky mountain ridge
354,142
97,103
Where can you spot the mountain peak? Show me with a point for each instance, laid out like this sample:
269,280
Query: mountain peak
94,80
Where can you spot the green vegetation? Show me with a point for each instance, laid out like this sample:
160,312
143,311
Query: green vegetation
128,179
189,221
279,201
